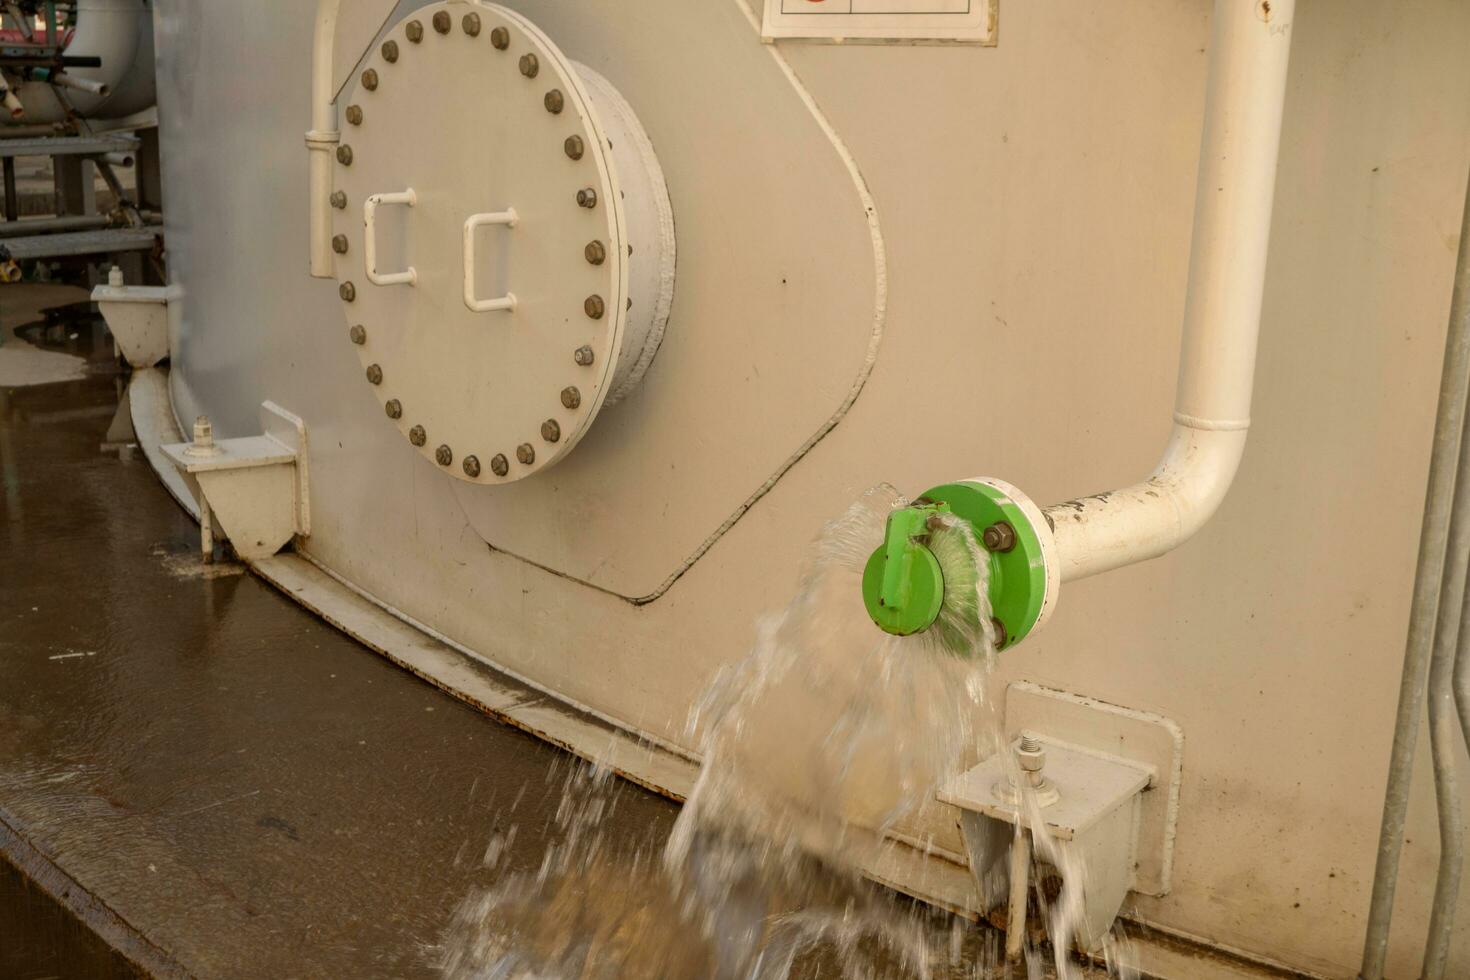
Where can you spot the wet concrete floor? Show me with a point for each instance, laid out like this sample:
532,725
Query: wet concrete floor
197,777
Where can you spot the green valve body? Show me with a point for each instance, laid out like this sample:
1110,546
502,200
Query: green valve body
904,583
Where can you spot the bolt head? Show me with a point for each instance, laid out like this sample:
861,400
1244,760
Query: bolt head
347,291
587,197
394,408
530,65
999,537
583,355
414,31
470,23
338,199
526,453
499,465
339,244
1001,637
374,374
500,38
571,397
358,333
595,252
554,101
594,307
417,435
573,147
390,51
344,155
551,430
471,467
370,80
443,455
354,115
442,22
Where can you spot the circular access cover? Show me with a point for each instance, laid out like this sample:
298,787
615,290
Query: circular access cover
503,238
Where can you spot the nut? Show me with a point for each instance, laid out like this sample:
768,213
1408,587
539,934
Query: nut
370,80
530,65
354,115
499,465
417,435
526,453
573,147
583,355
594,307
550,430
442,22
444,455
471,24
339,244
471,466
394,408
374,374
1001,637
595,252
554,101
999,537
586,197
338,199
344,155
390,51
347,292
500,38
414,31
571,397
358,334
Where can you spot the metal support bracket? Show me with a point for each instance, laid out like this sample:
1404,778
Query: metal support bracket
138,317
254,487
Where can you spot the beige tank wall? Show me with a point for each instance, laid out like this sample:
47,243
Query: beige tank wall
1035,201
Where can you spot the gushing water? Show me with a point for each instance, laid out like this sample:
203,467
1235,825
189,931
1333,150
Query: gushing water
819,750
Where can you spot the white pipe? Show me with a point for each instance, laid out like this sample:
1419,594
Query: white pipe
89,85
322,138
1244,97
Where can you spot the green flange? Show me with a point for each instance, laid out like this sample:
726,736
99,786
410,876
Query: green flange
903,583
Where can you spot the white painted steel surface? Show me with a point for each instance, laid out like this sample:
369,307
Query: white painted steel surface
1035,201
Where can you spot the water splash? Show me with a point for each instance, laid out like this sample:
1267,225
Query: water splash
829,737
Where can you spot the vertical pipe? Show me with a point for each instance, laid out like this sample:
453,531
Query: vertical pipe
1428,578
322,139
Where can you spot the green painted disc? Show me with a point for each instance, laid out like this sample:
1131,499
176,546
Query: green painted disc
905,597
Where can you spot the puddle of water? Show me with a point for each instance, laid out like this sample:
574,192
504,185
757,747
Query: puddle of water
827,736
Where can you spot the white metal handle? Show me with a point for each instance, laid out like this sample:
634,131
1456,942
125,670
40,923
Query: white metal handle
508,217
370,246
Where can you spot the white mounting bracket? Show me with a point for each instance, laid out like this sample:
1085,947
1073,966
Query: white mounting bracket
138,317
255,486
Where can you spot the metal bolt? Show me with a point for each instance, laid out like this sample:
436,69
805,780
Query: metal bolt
530,65
571,397
587,197
390,51
203,444
499,465
417,435
554,101
526,453
1030,744
370,80
344,155
414,31
583,355
354,115
500,38
374,374
550,430
1000,536
339,244
394,408
338,199
444,455
347,292
442,22
471,467
595,252
593,307
471,24
573,147
1001,637
358,334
